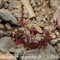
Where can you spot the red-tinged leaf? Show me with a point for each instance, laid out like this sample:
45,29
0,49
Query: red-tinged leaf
33,45
59,30
22,14
33,31
47,33
56,22
39,45
17,18
52,31
44,43
20,41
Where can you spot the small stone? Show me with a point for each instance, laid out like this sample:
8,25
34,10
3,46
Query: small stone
10,8
6,43
57,33
1,26
3,56
54,41
10,1
28,7
16,30
1,34
5,33
7,16
7,56
4,1
6,5
57,16
37,28
58,48
38,37
17,15
8,26
41,54
1,3
16,4
8,34
33,4
12,50
55,3
0,20
49,28
41,17
37,1
53,36
18,53
15,11
26,15
10,57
